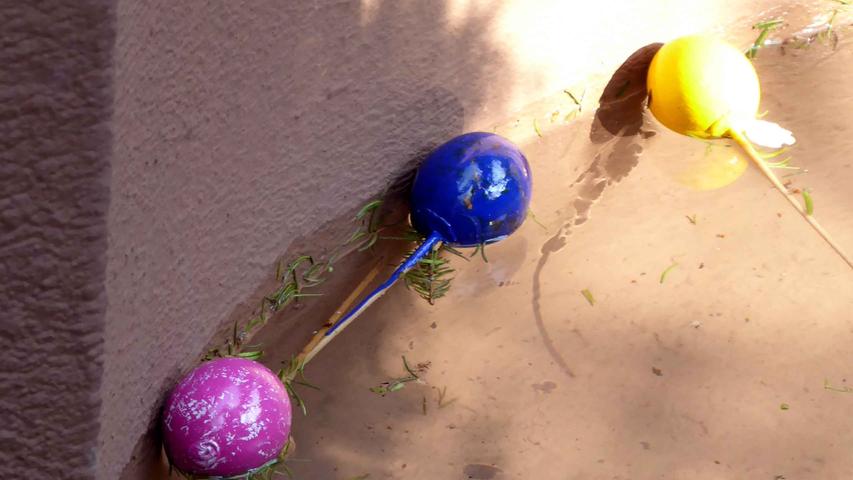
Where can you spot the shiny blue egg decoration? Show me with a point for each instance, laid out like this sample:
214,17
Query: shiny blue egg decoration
474,189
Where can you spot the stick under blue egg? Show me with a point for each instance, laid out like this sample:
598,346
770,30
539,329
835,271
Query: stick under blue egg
473,190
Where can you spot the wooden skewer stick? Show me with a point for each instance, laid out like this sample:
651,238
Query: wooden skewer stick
762,165
320,340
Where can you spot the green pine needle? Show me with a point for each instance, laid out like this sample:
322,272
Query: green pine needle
807,198
429,278
397,384
536,128
588,296
301,273
843,389
666,272
765,29
481,249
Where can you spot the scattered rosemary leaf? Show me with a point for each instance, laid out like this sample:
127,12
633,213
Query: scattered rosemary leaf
430,278
766,27
397,384
536,127
442,394
809,202
691,218
481,249
251,355
768,24
588,296
784,406
368,208
578,102
554,115
666,272
775,153
536,220
844,389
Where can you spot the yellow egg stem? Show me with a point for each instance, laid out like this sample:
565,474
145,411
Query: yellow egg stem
741,140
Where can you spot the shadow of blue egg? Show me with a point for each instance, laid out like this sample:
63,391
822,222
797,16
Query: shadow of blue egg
472,190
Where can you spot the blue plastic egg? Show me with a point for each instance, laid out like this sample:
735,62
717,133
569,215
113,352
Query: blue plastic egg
472,190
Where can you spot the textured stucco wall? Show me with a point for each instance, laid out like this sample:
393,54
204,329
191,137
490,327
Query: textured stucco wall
54,155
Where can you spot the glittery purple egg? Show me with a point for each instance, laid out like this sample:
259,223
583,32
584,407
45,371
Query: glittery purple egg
225,418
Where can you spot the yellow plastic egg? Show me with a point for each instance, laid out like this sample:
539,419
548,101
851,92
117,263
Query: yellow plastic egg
699,86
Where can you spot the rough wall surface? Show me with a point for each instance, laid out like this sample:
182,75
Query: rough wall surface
54,155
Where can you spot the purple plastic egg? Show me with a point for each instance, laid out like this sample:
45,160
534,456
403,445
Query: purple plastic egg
226,417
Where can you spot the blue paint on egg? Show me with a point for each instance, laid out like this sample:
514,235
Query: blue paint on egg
471,190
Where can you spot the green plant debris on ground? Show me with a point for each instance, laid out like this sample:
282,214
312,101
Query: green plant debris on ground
578,102
254,355
844,389
807,198
536,127
536,220
555,115
764,29
294,374
784,406
775,153
361,477
784,164
481,249
430,278
304,272
829,35
442,395
691,219
666,272
588,296
397,384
